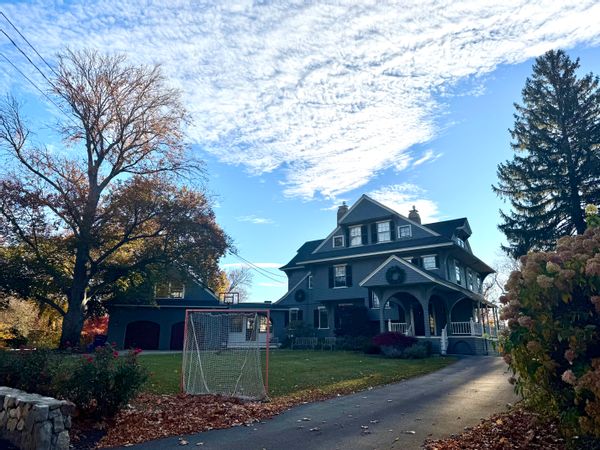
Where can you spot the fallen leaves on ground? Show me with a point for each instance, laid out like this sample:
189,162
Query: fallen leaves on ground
516,429
153,416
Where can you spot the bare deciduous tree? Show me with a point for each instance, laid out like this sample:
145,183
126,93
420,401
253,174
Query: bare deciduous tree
79,219
240,281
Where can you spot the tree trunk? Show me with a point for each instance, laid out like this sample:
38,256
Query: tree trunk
72,325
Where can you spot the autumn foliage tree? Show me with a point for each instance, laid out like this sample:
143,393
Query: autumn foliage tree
118,199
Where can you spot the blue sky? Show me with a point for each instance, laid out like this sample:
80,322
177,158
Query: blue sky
297,107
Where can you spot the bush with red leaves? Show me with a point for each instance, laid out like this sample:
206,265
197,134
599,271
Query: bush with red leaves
394,339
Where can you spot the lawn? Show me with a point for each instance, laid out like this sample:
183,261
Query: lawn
293,371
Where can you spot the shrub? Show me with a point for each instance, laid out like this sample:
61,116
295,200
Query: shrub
103,383
28,370
394,339
393,344
552,342
99,385
352,343
418,351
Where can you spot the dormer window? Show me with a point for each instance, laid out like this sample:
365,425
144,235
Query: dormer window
355,236
404,231
171,289
460,242
338,241
383,231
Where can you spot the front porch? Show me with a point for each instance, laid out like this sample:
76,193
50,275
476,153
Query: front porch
451,321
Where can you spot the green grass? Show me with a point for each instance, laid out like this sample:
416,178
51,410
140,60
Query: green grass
293,371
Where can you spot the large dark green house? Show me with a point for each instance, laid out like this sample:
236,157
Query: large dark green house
421,279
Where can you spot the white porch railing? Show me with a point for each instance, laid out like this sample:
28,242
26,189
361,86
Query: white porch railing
469,328
400,327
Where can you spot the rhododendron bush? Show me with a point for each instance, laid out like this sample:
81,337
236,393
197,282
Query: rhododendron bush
552,342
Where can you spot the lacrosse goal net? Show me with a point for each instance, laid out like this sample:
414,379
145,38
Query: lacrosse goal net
222,352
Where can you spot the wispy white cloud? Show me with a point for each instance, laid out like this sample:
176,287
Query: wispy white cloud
329,95
402,197
428,156
257,220
262,265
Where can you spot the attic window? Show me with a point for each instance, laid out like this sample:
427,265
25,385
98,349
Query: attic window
404,231
430,262
460,242
383,231
171,289
355,235
338,241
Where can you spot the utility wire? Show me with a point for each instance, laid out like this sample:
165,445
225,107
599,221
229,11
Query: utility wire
28,43
26,56
260,270
31,81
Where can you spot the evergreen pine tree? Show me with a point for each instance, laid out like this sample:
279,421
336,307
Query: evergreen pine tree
555,171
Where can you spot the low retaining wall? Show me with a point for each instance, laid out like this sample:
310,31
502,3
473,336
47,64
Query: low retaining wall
34,422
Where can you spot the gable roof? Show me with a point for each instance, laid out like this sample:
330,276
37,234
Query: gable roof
378,276
386,209
303,252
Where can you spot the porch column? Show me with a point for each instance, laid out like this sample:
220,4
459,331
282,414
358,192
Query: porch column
425,305
381,321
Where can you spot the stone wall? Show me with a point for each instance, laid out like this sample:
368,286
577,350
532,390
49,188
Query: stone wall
31,421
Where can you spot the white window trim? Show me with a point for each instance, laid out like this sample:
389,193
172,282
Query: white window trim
323,308
345,277
437,265
398,235
338,236
350,235
290,314
310,281
389,231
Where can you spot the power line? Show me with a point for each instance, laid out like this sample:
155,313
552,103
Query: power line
260,270
31,81
28,43
26,56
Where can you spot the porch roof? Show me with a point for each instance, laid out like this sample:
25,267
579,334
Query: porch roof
413,275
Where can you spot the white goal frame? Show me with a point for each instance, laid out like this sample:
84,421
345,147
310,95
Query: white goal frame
260,312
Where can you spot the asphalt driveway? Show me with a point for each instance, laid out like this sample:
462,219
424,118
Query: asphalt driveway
398,416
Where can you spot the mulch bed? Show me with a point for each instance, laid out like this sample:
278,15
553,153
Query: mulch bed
516,429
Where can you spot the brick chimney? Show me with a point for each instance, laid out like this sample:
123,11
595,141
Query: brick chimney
341,212
414,215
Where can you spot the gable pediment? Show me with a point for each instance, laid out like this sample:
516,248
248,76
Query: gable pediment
395,272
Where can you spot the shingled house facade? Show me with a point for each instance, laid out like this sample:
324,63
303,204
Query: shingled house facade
420,279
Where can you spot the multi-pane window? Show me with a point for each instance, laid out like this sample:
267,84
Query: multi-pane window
171,289
460,242
429,262
457,272
237,324
404,231
338,241
355,235
323,318
294,315
383,232
339,276
470,279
